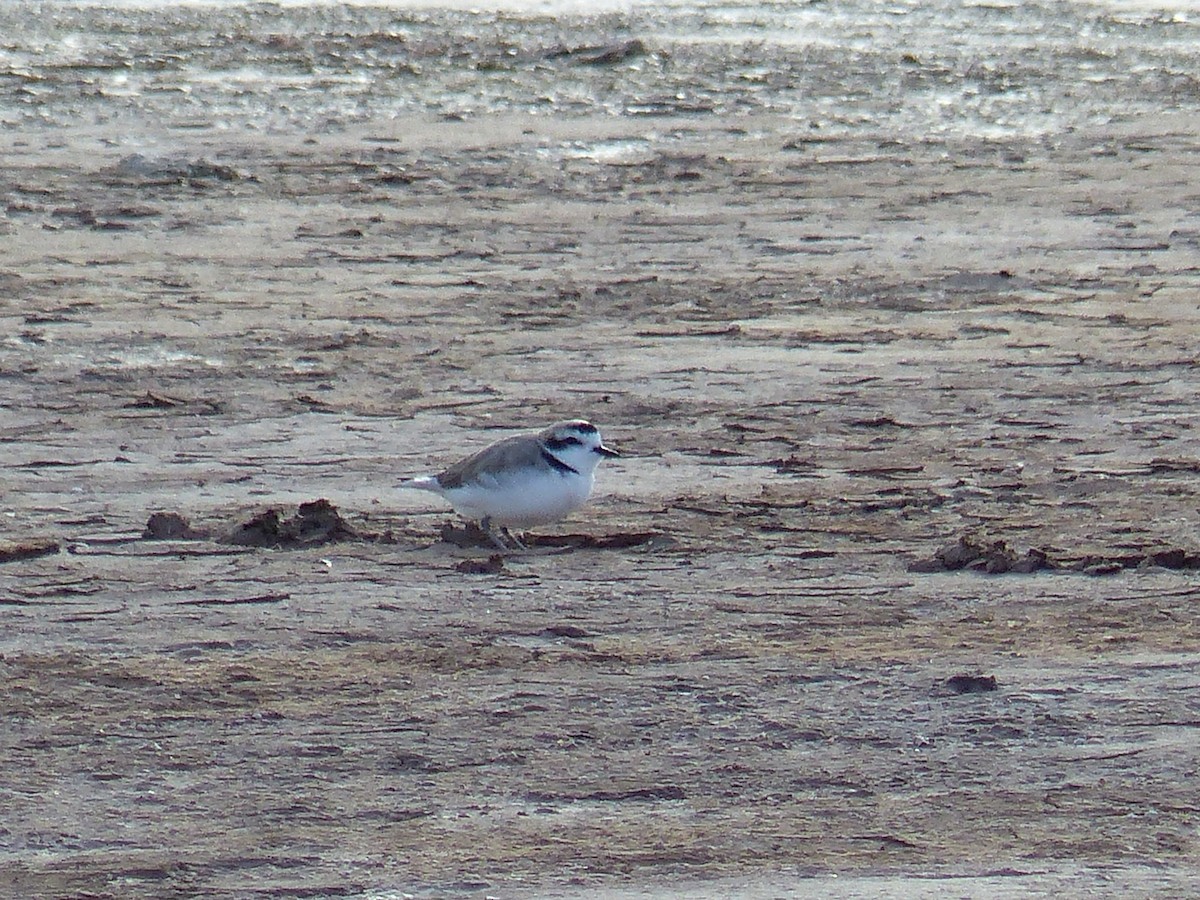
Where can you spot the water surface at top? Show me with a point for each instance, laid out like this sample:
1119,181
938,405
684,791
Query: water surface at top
904,70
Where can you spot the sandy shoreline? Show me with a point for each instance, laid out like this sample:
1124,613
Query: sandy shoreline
838,311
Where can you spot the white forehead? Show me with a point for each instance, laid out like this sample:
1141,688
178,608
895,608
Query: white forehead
581,430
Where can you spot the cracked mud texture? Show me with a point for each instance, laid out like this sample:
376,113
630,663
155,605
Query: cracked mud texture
848,284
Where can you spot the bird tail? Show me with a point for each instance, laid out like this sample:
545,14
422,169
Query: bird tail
422,483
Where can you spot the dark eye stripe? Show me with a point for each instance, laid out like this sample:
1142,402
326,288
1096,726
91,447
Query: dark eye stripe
563,443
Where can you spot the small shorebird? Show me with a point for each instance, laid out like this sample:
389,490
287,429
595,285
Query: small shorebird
522,481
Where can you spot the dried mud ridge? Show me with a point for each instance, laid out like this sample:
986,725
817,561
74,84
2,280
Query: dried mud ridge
318,522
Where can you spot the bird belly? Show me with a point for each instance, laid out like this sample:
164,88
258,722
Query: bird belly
521,502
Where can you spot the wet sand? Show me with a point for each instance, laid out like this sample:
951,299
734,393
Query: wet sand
851,294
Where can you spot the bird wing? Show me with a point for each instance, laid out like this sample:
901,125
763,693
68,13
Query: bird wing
501,457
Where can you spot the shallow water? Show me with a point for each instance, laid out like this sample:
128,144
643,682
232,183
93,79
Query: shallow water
904,70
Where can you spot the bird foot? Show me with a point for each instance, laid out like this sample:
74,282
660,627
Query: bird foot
503,539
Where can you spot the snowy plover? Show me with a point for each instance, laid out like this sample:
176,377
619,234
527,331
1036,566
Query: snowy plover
522,481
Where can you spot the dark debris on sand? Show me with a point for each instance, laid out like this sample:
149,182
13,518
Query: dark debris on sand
971,684
170,526
16,551
316,522
603,55
465,536
996,557
469,535
991,557
493,565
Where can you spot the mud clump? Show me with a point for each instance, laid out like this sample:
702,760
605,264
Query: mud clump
971,684
170,526
316,522
990,557
996,558
493,565
1175,558
465,536
13,552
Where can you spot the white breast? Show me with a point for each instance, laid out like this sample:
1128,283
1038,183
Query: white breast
521,500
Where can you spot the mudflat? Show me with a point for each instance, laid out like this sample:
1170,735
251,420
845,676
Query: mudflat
893,313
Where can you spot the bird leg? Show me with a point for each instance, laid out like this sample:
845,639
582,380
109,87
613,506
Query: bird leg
485,525
516,541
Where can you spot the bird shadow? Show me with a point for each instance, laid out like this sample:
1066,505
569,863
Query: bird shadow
469,535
